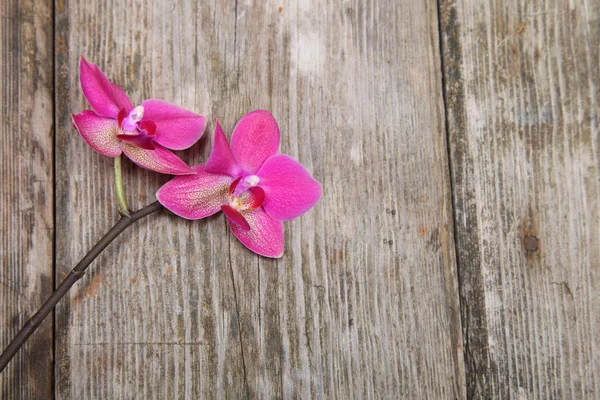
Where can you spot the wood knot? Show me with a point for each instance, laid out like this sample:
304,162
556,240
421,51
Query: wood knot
531,243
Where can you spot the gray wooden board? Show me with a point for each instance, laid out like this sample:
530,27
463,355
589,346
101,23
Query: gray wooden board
522,90
26,190
364,302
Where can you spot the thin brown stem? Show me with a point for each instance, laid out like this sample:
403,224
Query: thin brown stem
75,274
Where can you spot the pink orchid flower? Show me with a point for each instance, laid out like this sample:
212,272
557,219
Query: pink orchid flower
143,133
255,187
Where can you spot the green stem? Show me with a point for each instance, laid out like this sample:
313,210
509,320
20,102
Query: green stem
119,191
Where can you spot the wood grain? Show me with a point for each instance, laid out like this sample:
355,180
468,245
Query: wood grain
364,302
522,90
26,191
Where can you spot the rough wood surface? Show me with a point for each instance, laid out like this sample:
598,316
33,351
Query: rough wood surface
26,191
364,302
522,93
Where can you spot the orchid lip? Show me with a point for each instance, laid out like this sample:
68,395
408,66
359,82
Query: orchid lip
249,199
233,186
236,217
139,140
134,130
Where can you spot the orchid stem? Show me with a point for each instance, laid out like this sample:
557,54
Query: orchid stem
77,273
119,191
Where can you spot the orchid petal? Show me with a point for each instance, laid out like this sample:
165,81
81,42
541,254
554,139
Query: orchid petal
221,159
236,217
98,132
106,98
290,190
121,99
195,196
176,127
159,160
254,139
265,236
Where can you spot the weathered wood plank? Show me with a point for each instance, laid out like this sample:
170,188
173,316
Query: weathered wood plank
522,88
364,302
26,191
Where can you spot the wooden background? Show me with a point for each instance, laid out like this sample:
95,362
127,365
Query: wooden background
455,252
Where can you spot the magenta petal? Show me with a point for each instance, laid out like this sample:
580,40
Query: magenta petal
159,160
104,97
121,99
265,236
221,159
176,127
98,132
290,190
255,138
195,196
236,217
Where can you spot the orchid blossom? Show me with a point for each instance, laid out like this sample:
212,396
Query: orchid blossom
143,133
255,187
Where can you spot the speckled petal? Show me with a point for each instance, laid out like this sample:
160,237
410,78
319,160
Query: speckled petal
290,190
105,97
195,196
265,236
159,160
176,127
221,159
254,139
98,132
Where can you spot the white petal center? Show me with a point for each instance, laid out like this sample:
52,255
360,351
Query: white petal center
251,181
